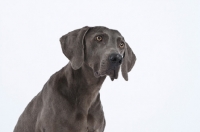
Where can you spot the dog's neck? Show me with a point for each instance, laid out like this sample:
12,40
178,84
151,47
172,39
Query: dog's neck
86,88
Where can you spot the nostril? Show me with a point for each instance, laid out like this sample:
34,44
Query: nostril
112,58
120,61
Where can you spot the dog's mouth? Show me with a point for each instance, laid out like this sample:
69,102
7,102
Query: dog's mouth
112,72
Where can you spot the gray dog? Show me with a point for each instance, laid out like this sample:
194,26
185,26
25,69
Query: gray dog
70,99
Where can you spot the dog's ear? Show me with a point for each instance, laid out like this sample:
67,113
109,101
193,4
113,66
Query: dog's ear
128,62
73,47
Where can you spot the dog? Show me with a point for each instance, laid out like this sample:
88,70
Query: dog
70,99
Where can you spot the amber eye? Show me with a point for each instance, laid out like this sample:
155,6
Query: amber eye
99,38
121,45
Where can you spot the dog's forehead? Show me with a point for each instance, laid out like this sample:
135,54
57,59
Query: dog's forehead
100,29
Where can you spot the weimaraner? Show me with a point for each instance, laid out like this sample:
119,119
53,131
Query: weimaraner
70,99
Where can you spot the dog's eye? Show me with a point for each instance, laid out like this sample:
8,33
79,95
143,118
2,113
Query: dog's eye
99,38
121,45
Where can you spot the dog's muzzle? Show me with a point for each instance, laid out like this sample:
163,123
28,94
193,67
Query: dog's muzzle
115,60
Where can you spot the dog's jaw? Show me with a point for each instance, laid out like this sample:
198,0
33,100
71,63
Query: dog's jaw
112,72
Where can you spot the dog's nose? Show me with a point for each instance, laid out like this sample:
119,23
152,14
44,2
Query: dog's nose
115,59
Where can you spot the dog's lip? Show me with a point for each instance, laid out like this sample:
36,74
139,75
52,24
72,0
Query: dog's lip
110,71
96,74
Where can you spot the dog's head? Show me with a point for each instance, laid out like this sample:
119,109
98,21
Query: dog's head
102,49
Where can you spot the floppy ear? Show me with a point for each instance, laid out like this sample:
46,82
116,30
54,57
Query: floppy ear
128,62
73,47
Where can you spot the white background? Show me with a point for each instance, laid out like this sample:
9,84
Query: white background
162,94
